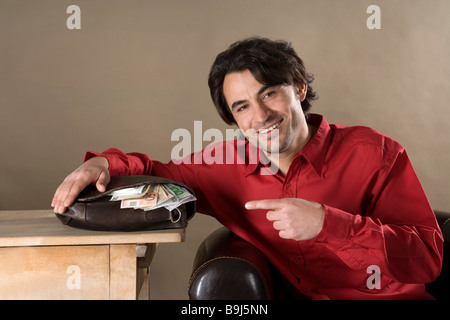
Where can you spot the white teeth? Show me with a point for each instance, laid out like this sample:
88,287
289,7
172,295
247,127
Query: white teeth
270,128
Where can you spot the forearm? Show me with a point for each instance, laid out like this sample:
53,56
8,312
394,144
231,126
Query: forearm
406,253
121,163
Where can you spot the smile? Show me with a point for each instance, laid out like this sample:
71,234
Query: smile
274,126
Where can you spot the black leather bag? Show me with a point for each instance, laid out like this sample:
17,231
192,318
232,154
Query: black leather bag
93,210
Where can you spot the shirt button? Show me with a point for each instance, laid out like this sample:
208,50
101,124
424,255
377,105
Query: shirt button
296,261
288,186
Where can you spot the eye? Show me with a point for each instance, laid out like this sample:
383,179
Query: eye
242,108
268,94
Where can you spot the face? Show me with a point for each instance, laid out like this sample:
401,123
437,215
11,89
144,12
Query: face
271,117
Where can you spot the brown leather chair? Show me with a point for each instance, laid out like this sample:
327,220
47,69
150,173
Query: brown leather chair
229,268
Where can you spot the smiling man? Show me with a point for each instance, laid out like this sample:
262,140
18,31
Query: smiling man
344,200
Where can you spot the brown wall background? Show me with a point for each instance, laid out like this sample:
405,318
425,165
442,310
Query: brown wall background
137,70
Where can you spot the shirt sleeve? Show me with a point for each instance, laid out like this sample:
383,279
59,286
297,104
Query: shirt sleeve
399,233
124,164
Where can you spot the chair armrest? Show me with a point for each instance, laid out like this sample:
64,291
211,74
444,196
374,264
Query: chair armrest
443,219
229,268
440,288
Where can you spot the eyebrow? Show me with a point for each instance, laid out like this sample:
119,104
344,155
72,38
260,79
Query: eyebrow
261,90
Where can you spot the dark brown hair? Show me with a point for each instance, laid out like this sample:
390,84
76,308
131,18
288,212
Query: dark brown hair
270,62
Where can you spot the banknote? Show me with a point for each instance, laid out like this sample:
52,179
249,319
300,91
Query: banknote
128,193
183,196
152,196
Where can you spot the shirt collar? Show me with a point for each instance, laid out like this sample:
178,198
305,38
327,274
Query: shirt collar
252,166
314,151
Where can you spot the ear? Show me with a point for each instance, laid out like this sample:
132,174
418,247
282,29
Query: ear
301,89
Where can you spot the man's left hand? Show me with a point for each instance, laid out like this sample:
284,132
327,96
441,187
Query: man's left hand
295,218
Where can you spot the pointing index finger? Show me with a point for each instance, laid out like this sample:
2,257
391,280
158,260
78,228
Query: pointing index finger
268,204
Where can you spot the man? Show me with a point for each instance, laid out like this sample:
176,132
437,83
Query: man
343,216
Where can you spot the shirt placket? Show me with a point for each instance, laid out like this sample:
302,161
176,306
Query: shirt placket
290,186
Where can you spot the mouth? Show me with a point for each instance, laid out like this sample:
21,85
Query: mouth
268,129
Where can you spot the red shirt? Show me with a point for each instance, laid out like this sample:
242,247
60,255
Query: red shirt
376,212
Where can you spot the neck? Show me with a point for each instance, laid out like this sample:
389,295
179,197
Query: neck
284,159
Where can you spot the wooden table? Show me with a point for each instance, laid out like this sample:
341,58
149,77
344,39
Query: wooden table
40,258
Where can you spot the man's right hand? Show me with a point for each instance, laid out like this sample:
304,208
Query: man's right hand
94,171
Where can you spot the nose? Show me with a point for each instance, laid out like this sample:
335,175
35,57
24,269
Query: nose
261,113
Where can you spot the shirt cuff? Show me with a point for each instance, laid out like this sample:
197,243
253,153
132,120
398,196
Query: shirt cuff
337,226
115,167
92,154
